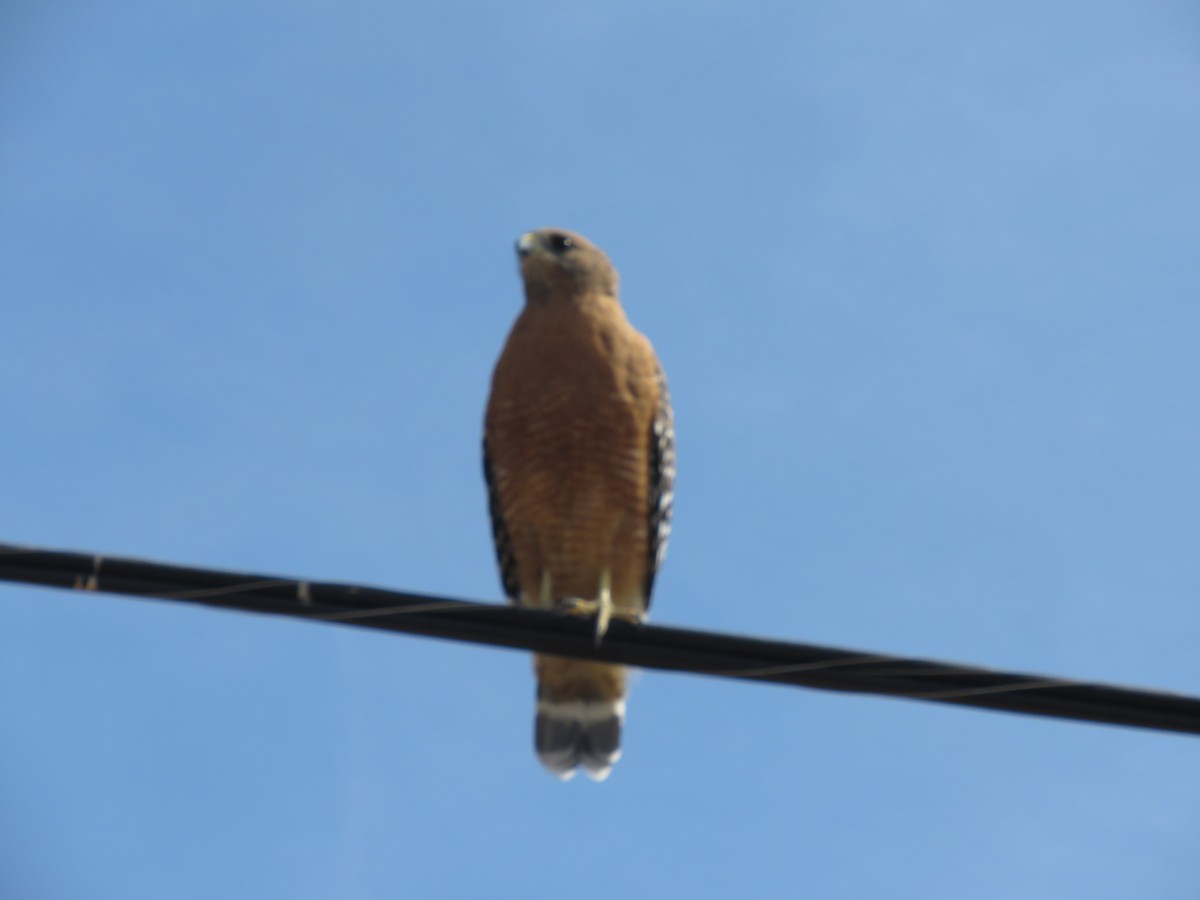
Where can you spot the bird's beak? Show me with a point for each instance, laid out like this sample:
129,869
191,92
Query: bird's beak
526,244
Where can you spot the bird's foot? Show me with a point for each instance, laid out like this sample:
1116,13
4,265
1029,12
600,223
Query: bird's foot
602,608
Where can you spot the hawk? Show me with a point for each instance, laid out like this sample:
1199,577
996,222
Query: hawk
579,459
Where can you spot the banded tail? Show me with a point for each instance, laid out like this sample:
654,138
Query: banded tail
579,716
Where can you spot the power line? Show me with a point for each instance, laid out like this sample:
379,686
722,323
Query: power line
647,646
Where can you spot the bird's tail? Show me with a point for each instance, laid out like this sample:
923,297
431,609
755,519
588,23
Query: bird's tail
580,711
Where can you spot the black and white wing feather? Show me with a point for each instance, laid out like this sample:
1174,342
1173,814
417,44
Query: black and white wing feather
504,552
662,482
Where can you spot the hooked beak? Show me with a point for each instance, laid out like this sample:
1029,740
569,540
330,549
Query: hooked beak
526,244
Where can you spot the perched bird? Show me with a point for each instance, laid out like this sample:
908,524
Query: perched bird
579,458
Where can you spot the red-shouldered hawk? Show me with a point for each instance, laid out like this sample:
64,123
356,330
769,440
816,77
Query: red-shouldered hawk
579,457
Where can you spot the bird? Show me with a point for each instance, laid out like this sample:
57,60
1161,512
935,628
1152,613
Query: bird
579,463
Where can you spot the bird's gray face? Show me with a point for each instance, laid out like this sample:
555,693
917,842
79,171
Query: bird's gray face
555,262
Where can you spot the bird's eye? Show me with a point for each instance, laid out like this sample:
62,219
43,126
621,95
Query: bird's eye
560,243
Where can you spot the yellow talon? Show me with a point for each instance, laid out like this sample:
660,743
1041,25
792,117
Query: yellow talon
602,608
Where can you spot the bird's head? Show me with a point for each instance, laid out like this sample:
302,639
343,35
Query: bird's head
561,264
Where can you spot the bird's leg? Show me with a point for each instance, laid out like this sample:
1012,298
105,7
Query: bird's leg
604,604
545,601
601,607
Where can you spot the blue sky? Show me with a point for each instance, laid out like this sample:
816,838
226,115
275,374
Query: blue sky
924,278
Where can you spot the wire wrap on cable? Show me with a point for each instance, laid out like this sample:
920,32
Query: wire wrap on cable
647,646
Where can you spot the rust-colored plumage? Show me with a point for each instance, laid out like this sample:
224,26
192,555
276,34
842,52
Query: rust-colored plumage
579,460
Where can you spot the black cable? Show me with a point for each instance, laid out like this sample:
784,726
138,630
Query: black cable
647,646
